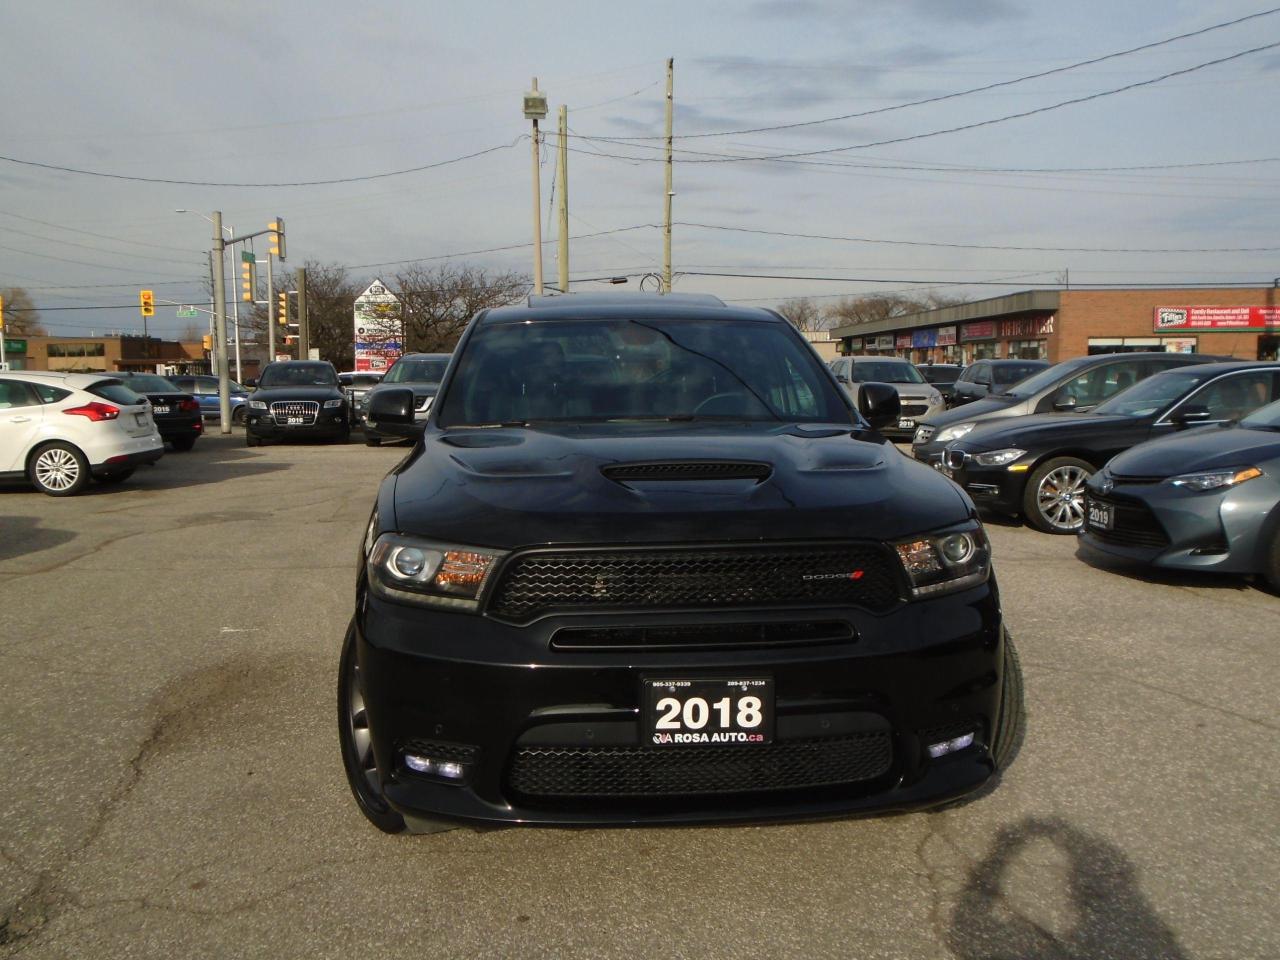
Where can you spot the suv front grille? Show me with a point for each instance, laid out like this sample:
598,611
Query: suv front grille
705,636
282,410
640,771
1135,524
845,574
914,409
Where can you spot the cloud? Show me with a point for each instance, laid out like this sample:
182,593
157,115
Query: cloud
789,9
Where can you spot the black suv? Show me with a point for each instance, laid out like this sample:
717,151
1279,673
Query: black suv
298,398
647,564
421,373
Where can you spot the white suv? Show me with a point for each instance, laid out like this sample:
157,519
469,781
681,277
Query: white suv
58,429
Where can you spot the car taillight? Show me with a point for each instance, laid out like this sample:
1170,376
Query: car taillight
95,411
189,405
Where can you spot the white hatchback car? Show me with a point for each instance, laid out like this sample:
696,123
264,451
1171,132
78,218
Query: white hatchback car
60,429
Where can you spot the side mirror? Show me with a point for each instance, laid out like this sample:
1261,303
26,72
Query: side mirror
1064,401
1190,415
880,404
843,380
251,384
391,411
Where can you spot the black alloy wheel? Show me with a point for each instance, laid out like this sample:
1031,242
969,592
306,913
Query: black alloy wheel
357,742
1053,500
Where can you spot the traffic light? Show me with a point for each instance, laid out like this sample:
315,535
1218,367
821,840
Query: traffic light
147,303
206,342
248,276
277,237
282,307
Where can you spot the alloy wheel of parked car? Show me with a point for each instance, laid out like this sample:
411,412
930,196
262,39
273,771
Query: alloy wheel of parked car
1054,498
357,742
59,470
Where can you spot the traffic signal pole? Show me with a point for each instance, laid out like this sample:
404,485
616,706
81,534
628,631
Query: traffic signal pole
220,326
271,307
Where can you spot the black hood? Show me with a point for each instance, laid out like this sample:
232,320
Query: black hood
1208,448
317,391
970,411
1038,429
511,487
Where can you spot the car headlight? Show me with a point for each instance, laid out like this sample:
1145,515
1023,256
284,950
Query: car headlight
954,432
257,405
330,404
945,562
1216,479
934,398
997,458
412,570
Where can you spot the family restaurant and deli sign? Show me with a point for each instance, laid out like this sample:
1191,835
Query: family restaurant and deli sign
1216,318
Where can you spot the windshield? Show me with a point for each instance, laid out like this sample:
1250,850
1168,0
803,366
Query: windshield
416,371
1045,378
1010,373
298,375
940,374
885,371
1264,418
147,383
601,370
1148,397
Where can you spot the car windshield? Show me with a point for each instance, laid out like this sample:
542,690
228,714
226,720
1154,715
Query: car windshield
147,383
940,374
361,381
299,375
1045,378
1148,397
1007,374
619,370
1264,418
416,371
885,371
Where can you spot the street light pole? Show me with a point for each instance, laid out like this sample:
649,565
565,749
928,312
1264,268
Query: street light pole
220,323
537,208
666,223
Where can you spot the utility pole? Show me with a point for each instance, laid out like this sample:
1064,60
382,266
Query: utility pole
535,108
666,225
304,335
271,308
220,324
564,199
235,311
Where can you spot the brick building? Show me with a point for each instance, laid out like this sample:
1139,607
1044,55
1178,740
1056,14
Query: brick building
1057,324
94,354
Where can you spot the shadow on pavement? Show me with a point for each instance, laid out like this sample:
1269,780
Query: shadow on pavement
22,535
1109,915
1136,570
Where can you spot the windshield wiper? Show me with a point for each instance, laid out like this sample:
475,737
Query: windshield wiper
488,426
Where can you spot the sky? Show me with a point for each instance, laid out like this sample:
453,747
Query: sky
250,93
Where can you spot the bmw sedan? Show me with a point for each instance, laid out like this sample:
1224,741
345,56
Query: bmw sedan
1207,500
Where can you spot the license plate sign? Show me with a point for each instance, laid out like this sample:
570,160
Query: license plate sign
905,424
159,408
294,421
721,711
1101,516
141,418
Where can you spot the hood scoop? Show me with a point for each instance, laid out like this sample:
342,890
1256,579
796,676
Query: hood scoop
657,470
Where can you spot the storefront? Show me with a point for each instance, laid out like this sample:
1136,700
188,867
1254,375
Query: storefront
15,353
978,341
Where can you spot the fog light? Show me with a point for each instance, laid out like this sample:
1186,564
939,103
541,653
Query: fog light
426,764
446,769
449,768
943,747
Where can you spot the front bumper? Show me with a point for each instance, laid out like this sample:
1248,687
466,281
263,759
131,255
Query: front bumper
991,488
1179,529
477,689
328,424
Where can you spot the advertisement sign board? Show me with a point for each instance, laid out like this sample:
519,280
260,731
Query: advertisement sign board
884,342
981,330
946,336
924,338
378,328
903,342
1209,319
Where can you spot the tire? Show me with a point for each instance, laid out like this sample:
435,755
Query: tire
183,444
353,737
1013,710
58,469
118,477
1053,500
1271,566
251,441
373,441
237,416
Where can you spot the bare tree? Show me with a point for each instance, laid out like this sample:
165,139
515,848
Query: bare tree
20,314
437,302
865,309
193,331
331,297
804,314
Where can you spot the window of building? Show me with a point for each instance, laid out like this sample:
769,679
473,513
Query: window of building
1028,350
77,350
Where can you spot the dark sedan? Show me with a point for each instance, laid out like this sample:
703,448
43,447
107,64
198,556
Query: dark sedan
942,377
982,378
296,399
1207,500
421,373
176,413
1038,465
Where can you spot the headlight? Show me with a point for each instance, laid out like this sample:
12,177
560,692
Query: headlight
934,398
411,570
945,562
954,432
330,404
257,405
997,458
1216,479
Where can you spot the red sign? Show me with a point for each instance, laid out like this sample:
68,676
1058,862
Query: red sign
982,330
946,336
903,341
1027,327
1216,318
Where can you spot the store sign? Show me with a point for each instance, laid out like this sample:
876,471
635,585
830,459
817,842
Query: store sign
855,343
1216,318
1180,344
903,342
1027,327
946,336
924,338
377,328
982,330
885,342
15,346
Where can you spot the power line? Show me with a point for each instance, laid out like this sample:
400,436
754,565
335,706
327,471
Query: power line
965,93
100,236
1184,285
974,246
726,158
296,183
49,256
86,246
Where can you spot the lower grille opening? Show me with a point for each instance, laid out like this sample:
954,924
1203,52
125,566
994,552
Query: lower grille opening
704,636
1135,524
702,770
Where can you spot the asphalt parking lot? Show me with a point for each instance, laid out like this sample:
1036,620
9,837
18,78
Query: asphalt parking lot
173,785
